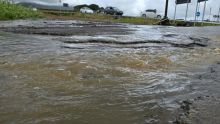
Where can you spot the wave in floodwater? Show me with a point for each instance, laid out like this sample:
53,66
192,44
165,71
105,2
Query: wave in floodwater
43,79
112,41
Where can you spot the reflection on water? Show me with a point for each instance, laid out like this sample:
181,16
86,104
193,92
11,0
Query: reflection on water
42,82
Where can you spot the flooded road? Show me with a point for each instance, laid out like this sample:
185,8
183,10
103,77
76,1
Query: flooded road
105,73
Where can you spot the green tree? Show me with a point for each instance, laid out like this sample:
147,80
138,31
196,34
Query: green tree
78,7
94,7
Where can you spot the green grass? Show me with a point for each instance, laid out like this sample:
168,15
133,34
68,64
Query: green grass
12,11
98,17
110,18
206,24
198,24
123,19
138,20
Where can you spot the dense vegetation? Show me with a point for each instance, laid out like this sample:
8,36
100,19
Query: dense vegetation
12,11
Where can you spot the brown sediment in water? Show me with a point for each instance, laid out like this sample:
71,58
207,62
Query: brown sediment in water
43,82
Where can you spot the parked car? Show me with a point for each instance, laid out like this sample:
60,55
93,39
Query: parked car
150,13
86,10
113,11
101,10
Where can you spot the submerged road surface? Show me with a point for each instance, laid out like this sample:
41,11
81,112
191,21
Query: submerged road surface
75,72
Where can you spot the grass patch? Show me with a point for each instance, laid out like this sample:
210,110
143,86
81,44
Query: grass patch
109,18
12,11
207,24
138,20
98,17
198,24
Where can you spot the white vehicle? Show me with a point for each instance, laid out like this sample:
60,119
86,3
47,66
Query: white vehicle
150,13
86,10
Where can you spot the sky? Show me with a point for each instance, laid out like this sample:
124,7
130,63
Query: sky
134,7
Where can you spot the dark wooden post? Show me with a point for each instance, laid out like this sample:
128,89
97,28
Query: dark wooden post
165,20
166,9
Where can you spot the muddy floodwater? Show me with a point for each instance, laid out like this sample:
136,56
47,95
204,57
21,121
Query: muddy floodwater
75,72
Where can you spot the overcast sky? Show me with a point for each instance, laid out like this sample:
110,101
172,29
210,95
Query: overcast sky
134,7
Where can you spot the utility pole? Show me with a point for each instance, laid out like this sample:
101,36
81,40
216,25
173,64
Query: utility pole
165,20
210,13
203,13
187,10
218,13
60,6
166,9
174,18
197,10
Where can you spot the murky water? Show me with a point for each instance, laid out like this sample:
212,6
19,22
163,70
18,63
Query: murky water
44,80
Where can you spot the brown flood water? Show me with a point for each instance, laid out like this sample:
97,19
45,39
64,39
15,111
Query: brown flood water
43,81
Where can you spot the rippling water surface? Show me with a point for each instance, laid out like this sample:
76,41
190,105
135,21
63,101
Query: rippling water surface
44,80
